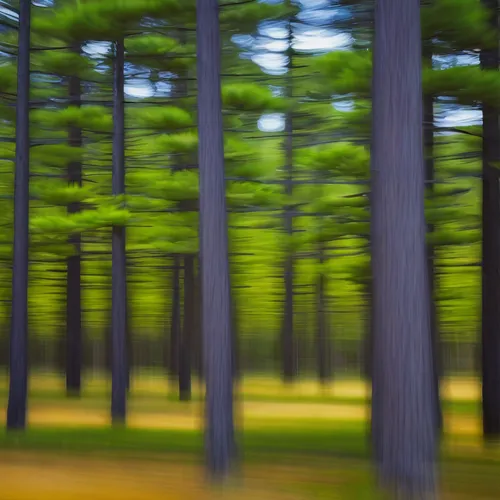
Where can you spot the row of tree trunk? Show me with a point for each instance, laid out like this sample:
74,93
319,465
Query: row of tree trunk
404,375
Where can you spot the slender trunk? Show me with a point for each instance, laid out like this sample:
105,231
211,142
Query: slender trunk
185,333
197,327
236,345
175,321
428,131
108,344
490,334
323,344
368,340
185,344
73,263
119,265
288,337
18,367
404,430
128,326
216,314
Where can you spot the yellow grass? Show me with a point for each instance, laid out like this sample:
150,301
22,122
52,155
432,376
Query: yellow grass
46,477
149,407
456,388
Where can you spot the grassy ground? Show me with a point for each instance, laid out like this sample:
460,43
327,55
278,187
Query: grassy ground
303,441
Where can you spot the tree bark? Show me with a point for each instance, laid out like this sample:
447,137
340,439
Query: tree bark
73,263
18,367
323,344
119,264
403,407
428,131
288,336
216,315
490,333
198,352
175,318
187,333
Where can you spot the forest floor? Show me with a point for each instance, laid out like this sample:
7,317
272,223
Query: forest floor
299,442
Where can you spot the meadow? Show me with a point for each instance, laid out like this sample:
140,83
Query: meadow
303,441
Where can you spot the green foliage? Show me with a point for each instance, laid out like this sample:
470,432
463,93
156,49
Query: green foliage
95,118
250,97
346,72
463,24
340,158
164,118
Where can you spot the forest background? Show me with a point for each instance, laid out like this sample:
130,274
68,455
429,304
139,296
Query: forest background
296,79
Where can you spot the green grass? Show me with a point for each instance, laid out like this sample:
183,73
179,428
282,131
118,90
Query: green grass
333,456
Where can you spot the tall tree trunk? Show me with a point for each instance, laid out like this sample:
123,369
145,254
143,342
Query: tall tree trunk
490,334
322,343
73,263
368,324
403,407
216,293
288,337
236,344
128,326
187,332
119,265
198,325
175,318
428,131
18,366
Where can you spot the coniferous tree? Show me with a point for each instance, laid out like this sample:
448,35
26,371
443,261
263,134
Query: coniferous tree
74,347
18,387
490,338
216,314
403,410
119,259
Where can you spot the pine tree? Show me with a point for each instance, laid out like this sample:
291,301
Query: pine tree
18,388
216,315
402,402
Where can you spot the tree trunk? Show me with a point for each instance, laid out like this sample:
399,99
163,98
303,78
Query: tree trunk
236,344
198,352
128,326
216,293
368,340
323,344
288,337
403,407
428,131
490,334
185,344
119,264
175,318
18,366
73,263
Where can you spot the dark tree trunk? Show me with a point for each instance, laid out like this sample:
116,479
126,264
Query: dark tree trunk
18,385
428,130
185,344
73,263
119,367
323,344
175,318
288,337
198,325
216,293
128,327
108,344
403,408
368,340
236,345
490,335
